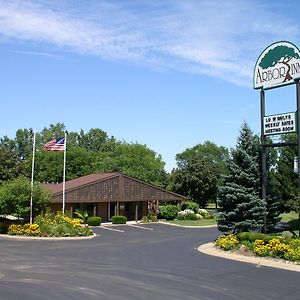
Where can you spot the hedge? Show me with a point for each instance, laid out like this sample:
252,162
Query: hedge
94,221
119,220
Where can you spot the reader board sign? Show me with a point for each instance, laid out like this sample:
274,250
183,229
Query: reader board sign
279,124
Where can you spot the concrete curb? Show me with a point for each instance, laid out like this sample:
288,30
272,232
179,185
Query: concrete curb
210,249
183,226
30,238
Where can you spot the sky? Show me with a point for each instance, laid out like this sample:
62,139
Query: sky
166,73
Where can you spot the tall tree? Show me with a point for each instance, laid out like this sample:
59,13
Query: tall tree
198,180
199,172
241,207
10,165
132,159
15,198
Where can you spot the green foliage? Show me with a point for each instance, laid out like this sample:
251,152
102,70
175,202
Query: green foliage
191,216
59,225
4,227
94,221
132,159
168,212
10,165
241,207
87,152
199,172
253,236
286,179
119,220
15,198
190,205
82,214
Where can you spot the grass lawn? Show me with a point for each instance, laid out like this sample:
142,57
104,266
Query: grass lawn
286,217
202,222
292,218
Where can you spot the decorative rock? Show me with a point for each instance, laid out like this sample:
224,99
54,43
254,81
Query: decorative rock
286,234
243,250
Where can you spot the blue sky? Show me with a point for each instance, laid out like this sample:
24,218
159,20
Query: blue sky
169,74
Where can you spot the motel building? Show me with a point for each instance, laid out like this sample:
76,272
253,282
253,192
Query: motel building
110,194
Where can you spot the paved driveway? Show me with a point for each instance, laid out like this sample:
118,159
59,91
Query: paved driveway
160,263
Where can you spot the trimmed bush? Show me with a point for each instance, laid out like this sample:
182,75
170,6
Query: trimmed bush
168,212
119,220
94,221
253,236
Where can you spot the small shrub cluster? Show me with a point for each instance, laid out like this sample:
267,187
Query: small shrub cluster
262,245
188,214
27,229
149,218
168,212
119,220
192,211
94,221
205,214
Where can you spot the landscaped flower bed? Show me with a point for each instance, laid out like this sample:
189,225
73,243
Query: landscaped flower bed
262,245
50,225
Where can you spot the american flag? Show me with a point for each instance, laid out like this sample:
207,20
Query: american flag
55,145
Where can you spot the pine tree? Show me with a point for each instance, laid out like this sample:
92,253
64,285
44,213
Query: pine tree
241,207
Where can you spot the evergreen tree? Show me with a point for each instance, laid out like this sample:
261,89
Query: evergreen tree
241,207
286,179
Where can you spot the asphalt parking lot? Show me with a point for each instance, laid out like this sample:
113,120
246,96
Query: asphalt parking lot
154,261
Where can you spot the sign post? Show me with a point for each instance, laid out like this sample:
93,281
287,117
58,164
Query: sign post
298,132
278,65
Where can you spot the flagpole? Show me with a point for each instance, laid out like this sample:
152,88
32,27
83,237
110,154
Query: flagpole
64,173
32,175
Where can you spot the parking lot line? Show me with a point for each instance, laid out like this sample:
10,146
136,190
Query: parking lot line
141,227
112,229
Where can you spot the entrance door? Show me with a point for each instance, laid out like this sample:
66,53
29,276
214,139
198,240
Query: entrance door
111,210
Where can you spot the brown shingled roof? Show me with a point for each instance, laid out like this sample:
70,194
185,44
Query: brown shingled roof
75,183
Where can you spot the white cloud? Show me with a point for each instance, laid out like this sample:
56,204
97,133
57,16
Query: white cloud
221,39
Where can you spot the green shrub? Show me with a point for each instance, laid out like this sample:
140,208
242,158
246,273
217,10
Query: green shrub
190,205
190,216
253,236
168,212
243,236
119,220
94,221
4,227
